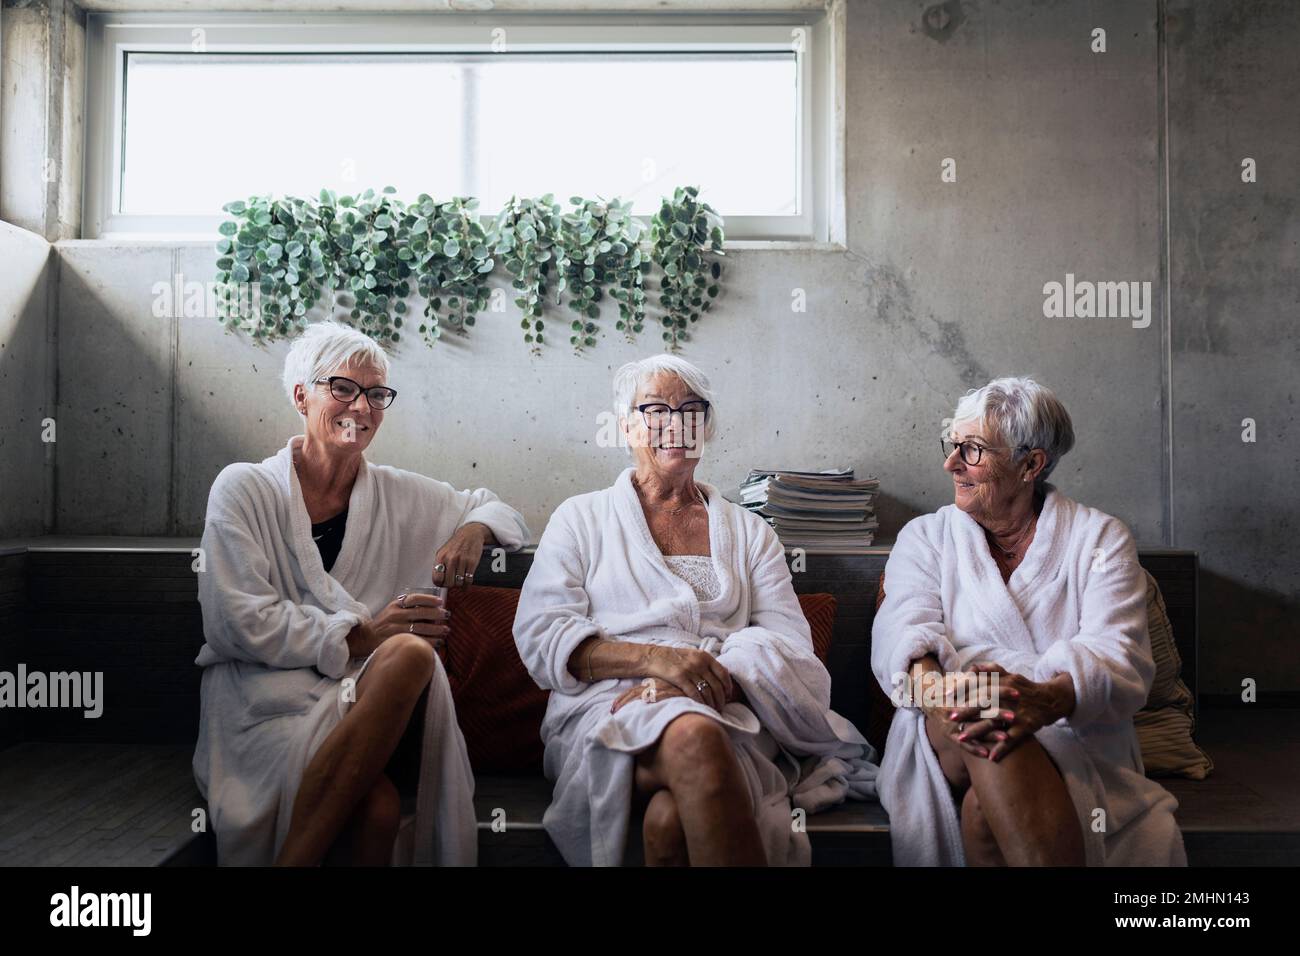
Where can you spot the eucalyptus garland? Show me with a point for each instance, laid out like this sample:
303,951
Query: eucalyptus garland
370,251
686,234
599,246
526,232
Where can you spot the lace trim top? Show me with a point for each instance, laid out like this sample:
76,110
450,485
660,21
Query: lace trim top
697,571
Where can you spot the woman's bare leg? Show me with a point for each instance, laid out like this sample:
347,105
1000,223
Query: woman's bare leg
371,832
977,837
662,834
1021,801
694,760
347,765
1028,808
980,848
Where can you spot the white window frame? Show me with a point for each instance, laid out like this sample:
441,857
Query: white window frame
816,36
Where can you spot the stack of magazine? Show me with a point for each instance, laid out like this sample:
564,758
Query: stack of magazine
814,509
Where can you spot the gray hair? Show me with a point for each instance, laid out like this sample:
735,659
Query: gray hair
1025,414
323,347
633,375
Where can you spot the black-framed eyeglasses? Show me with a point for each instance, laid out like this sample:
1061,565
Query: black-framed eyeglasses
346,391
659,414
972,452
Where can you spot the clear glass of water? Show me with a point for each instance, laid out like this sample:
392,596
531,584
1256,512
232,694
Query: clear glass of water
439,643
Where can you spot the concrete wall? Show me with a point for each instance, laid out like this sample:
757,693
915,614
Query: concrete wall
1060,157
1235,276
26,265
42,99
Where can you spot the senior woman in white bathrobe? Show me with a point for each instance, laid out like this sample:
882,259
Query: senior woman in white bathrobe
1016,580
662,618
318,677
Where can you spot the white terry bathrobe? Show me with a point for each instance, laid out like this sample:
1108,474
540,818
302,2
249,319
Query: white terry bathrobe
275,626
1076,605
598,571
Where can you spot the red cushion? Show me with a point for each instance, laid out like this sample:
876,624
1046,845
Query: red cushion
498,706
880,709
819,609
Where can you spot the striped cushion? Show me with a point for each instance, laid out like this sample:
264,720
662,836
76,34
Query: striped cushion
498,706
1165,724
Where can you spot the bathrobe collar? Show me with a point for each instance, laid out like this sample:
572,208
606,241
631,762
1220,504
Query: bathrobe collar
327,586
631,515
1001,602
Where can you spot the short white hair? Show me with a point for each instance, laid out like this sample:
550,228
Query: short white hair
1024,414
325,346
633,375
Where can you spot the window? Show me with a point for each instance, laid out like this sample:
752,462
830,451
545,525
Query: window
186,117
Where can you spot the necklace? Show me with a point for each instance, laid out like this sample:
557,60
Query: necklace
1010,553
699,497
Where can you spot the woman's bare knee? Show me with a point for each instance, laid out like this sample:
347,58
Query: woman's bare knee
693,736
404,664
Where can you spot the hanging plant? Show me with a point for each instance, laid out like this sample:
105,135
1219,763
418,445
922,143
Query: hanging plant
628,272
598,244
272,250
277,259
453,259
368,235
685,234
526,232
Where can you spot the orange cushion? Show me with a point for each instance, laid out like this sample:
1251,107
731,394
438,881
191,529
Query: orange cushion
498,706
819,609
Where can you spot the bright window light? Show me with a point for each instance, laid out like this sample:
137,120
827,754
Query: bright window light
202,129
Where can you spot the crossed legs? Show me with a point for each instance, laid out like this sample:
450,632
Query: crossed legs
696,788
1014,812
347,806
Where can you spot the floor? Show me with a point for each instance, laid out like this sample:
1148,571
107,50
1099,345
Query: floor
123,805
77,804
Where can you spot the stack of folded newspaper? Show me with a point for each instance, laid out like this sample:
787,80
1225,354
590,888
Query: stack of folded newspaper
814,509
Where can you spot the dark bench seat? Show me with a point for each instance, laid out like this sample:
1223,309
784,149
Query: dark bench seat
127,607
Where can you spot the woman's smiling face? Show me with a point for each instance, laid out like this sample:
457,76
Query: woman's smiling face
983,489
346,426
675,448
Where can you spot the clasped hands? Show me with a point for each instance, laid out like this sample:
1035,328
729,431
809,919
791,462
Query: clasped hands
682,672
1024,706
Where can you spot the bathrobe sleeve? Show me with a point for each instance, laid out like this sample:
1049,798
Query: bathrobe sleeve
1109,658
910,622
245,619
483,506
788,688
554,610
773,658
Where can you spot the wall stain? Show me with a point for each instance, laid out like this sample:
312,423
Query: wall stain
940,21
889,299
